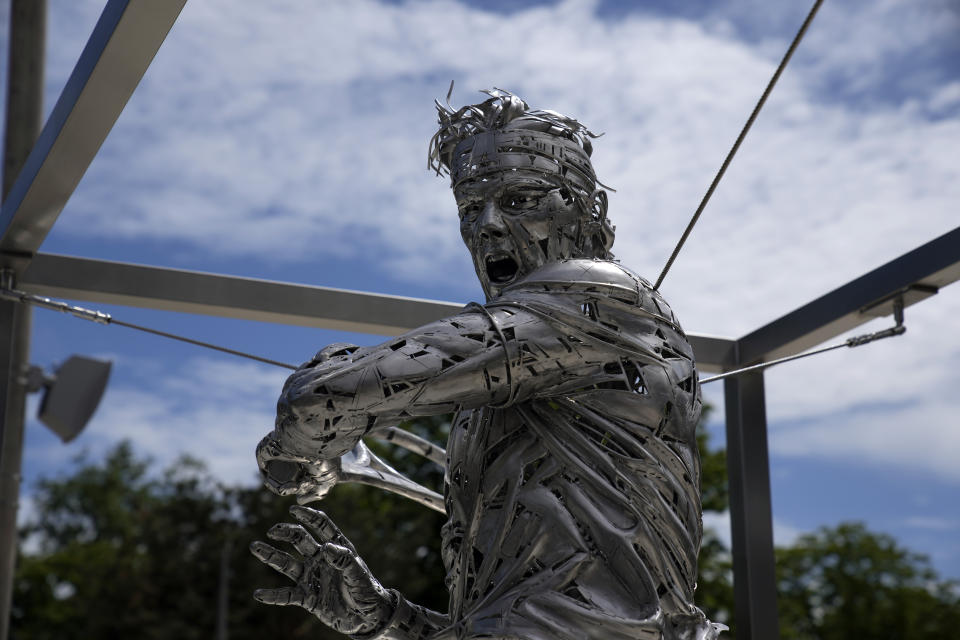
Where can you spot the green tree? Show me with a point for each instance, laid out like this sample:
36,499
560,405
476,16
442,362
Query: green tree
839,583
117,550
846,582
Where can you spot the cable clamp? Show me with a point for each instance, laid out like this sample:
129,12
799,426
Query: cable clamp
896,330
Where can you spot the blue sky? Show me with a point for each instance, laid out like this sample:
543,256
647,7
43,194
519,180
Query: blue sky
288,141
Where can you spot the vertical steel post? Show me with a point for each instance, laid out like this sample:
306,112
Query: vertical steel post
28,20
14,347
223,592
751,517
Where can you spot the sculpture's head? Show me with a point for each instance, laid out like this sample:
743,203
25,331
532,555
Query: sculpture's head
524,185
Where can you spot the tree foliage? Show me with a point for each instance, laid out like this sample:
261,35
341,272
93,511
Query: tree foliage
117,549
846,582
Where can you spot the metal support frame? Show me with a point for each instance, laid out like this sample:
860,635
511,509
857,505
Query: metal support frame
917,275
751,515
41,171
14,355
28,22
911,278
122,45
253,299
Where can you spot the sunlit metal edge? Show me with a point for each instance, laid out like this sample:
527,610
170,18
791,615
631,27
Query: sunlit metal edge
121,47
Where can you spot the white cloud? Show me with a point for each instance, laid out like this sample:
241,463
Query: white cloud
885,404
304,132
285,132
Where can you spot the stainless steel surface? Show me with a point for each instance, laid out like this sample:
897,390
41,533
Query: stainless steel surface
362,466
252,299
855,341
572,481
122,45
24,107
14,355
105,318
24,96
751,516
414,443
933,265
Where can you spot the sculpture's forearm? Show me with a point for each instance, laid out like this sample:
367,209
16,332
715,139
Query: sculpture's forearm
459,362
473,359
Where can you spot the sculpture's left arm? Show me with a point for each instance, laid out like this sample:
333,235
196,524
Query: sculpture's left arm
332,582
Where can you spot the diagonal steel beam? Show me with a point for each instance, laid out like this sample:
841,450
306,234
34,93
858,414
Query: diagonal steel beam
916,275
252,299
122,45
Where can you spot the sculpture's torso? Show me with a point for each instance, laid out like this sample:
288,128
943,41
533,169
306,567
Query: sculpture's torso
576,513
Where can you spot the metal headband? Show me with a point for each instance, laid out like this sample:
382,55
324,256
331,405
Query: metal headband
494,151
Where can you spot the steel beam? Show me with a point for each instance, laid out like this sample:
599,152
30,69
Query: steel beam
751,515
122,45
14,354
251,299
917,274
24,86
228,296
28,26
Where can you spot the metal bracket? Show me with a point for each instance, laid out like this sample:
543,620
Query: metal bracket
905,297
7,278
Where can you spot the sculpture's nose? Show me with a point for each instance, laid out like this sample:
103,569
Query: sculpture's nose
490,223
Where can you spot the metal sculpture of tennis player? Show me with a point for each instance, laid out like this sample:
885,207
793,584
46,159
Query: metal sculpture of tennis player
572,483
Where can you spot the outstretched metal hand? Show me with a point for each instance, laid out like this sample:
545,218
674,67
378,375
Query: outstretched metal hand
331,581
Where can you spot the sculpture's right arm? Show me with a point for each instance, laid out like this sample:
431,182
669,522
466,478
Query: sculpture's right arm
332,401
478,357
491,356
327,406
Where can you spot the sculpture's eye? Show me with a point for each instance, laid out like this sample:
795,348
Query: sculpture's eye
469,209
521,200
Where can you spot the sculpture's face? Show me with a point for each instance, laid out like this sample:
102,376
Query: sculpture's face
514,222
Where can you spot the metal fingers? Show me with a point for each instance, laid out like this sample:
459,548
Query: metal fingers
321,526
283,596
278,560
297,536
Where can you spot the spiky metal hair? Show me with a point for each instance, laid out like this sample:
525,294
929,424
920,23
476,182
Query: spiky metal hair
502,133
496,113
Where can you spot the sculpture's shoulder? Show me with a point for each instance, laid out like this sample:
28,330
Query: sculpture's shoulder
579,283
581,274
593,278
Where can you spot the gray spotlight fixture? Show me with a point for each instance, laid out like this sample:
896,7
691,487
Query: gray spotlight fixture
71,394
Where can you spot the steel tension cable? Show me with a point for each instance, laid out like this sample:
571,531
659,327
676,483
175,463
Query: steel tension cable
736,145
856,341
100,317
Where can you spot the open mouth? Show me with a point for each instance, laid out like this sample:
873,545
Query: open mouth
501,268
